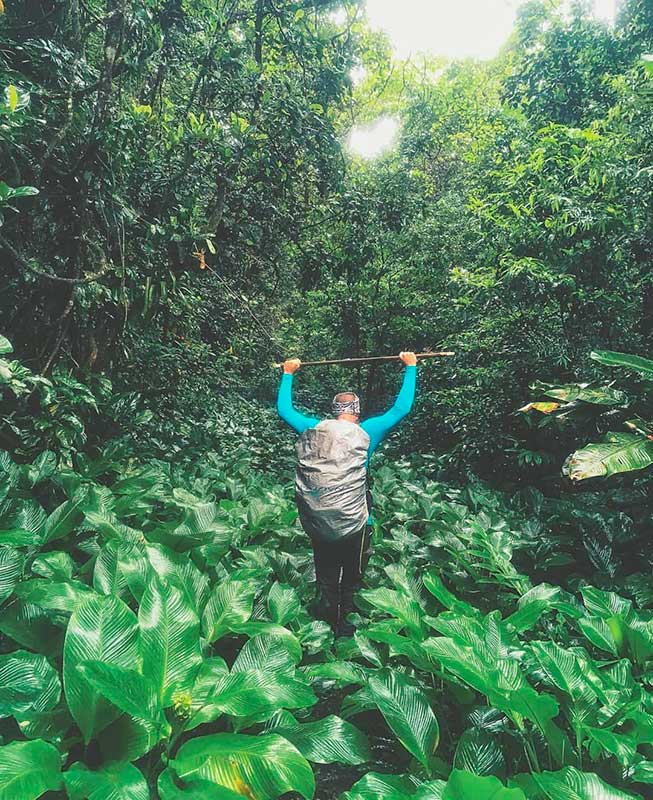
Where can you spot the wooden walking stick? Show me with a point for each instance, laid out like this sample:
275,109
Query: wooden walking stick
368,359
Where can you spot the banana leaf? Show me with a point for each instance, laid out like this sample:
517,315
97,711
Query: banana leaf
610,358
581,392
618,452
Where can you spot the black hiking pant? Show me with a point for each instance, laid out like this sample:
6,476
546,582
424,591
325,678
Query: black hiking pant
339,569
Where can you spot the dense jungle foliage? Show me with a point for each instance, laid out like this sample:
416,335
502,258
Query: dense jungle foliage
178,210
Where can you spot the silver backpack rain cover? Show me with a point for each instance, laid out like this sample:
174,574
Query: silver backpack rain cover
331,479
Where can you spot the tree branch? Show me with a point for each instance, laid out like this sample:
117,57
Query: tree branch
46,275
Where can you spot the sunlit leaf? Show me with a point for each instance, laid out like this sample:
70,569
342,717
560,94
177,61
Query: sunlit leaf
263,766
28,770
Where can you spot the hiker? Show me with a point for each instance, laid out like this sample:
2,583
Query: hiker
332,490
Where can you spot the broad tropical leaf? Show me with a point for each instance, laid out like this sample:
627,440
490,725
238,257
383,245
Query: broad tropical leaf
12,563
399,605
58,566
102,629
127,689
54,595
478,751
256,693
583,392
623,747
28,770
230,604
30,626
112,782
256,766
329,740
543,408
179,570
283,603
65,518
572,784
374,786
407,711
268,653
610,358
170,639
28,684
618,452
467,786
172,788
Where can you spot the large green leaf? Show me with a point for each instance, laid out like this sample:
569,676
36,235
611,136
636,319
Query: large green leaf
170,643
572,784
28,684
128,738
610,358
258,693
583,392
230,604
12,563
467,786
65,518
283,603
329,740
30,626
28,770
478,751
101,629
407,711
179,570
172,788
5,346
112,782
255,766
58,566
54,595
623,747
127,689
618,452
374,786
399,605
268,653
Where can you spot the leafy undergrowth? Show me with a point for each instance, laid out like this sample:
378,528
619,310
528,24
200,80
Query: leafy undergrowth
156,642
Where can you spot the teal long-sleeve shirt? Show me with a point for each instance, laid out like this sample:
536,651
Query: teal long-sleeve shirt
377,428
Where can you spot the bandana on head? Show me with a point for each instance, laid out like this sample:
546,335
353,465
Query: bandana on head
348,407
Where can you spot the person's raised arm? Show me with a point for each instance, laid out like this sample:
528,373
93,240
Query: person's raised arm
378,427
285,407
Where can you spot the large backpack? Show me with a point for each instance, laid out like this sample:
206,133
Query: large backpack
331,479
